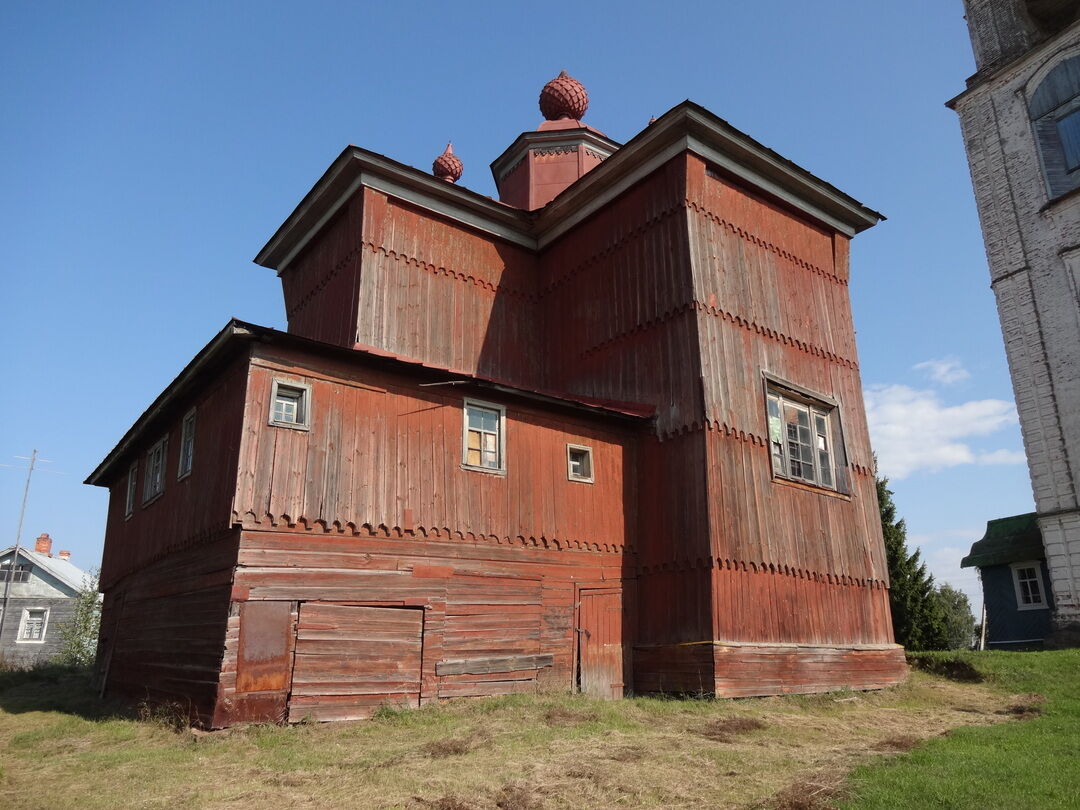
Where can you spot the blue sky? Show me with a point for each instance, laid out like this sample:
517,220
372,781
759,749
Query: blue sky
148,150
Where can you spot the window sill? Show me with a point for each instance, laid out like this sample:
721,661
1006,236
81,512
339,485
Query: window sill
29,641
151,499
290,425
489,470
831,493
1032,607
577,480
184,477
1060,198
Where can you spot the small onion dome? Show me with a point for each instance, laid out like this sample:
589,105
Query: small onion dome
448,166
563,97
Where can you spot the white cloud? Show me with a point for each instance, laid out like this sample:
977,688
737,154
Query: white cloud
996,457
945,370
912,430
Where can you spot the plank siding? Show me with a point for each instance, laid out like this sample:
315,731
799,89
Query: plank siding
384,453
439,292
163,629
189,511
320,285
709,574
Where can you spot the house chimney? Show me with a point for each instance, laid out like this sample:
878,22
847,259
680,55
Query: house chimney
43,544
63,555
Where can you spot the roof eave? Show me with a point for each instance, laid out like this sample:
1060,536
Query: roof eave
690,127
209,353
355,168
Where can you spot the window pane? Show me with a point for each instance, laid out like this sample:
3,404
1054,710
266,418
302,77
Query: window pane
490,443
476,418
1069,131
473,457
473,440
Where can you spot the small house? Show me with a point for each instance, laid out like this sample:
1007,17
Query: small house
1015,581
36,593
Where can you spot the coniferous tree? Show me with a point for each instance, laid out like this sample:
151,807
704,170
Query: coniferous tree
918,620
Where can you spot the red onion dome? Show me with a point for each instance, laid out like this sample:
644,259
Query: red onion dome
448,166
563,97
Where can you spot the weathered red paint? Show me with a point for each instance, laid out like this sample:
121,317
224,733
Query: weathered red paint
643,331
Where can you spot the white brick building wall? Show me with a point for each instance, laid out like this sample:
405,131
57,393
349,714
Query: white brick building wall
1033,249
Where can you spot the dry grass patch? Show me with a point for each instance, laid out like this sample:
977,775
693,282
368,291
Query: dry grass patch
523,752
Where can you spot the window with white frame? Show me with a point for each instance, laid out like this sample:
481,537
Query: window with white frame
579,465
187,445
154,481
803,438
290,405
1027,580
34,623
132,485
483,442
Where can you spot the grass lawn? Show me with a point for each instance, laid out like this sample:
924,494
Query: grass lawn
59,748
1034,764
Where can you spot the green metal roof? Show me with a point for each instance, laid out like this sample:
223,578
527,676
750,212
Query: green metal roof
1010,539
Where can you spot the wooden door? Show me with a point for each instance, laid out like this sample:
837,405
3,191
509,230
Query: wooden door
600,643
350,660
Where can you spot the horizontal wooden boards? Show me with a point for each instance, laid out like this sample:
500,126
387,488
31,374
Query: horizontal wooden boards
350,659
493,664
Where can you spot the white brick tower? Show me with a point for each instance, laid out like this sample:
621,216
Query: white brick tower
1020,117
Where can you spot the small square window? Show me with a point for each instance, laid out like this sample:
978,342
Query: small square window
154,480
579,466
1027,580
187,445
803,435
290,405
34,623
132,485
482,440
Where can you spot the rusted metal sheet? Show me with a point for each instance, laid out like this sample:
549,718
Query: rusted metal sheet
265,648
350,660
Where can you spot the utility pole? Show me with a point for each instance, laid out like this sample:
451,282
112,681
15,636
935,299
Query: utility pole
18,539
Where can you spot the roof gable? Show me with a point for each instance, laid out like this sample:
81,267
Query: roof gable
69,577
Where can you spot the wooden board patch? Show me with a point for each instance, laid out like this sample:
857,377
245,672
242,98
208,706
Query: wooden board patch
350,660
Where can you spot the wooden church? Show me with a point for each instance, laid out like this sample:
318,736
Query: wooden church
605,433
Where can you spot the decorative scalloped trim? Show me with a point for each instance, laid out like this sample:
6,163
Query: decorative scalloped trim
755,567
457,275
445,534
757,240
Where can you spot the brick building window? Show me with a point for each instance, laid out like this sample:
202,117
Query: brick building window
1054,108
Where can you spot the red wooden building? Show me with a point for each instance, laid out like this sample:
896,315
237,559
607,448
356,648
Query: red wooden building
607,433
